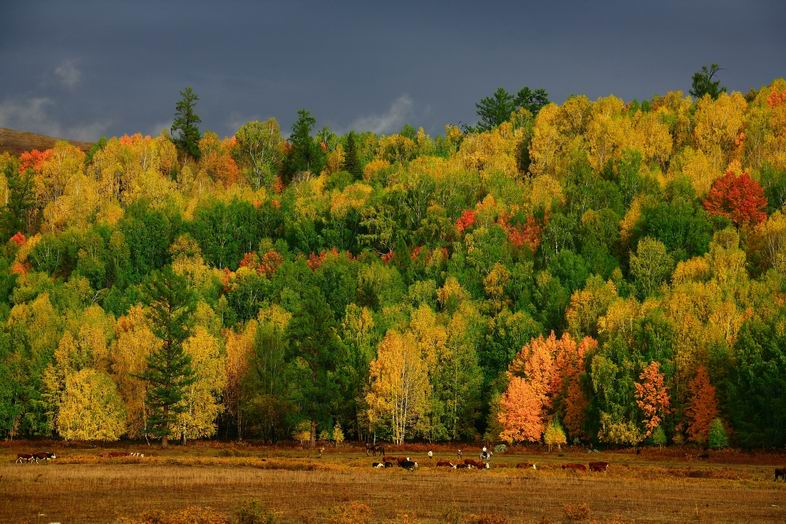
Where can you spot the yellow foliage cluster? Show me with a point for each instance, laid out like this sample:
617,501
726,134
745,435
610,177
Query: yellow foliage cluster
352,198
491,152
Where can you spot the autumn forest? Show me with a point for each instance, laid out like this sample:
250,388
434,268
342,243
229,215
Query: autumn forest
603,272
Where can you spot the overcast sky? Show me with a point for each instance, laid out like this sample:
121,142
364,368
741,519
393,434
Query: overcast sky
80,69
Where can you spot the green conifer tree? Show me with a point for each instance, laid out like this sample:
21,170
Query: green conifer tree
171,306
185,129
351,160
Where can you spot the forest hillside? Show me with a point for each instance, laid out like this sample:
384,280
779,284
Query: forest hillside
598,271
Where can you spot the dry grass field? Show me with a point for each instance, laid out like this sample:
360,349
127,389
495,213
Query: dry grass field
296,485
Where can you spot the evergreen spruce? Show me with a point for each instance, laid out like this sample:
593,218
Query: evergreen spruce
171,306
351,160
185,131
306,154
703,84
21,199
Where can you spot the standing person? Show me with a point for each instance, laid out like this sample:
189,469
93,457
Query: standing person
485,456
430,454
459,454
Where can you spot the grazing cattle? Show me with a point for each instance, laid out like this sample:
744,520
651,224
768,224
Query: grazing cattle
403,460
24,457
476,464
575,467
408,465
780,473
599,466
44,455
445,464
388,464
136,454
464,466
526,465
378,465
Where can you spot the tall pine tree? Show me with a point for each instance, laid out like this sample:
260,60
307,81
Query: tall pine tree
351,159
497,108
185,129
171,304
14,216
315,351
305,154
702,83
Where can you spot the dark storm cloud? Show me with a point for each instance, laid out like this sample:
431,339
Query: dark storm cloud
81,69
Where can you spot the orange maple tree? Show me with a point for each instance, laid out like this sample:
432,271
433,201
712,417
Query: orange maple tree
535,362
576,404
552,368
652,397
702,406
217,159
520,412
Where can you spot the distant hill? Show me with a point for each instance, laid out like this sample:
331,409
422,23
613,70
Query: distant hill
16,142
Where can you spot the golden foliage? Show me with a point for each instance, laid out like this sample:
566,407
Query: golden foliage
133,344
91,407
399,388
201,397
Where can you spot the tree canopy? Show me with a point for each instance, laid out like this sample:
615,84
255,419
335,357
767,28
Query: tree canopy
599,271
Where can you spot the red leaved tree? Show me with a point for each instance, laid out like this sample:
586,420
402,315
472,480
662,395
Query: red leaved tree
738,198
652,397
33,159
466,220
702,406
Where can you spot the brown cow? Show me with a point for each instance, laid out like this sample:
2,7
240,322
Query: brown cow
44,455
526,465
780,473
464,466
402,460
575,467
445,464
24,457
476,464
599,466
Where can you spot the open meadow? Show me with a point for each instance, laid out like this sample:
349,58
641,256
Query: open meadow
296,485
